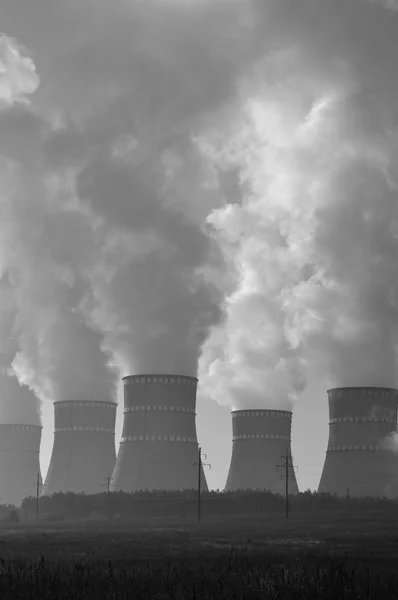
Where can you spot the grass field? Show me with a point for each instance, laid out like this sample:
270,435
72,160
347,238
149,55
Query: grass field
310,556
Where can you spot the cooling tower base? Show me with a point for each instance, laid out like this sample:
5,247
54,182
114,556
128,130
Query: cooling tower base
84,451
19,462
255,467
261,440
360,457
80,463
362,473
159,446
157,466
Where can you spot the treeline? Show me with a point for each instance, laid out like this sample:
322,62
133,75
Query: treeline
183,504
9,513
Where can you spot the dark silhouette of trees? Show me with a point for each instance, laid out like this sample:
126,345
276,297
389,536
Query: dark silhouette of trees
183,504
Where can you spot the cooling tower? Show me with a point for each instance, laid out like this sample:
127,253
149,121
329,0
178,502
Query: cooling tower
159,446
260,439
19,462
84,447
360,455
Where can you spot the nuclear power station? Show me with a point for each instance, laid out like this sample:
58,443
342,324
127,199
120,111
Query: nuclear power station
84,451
260,439
159,446
360,459
19,462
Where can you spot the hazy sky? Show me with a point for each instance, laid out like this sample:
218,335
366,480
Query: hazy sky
202,187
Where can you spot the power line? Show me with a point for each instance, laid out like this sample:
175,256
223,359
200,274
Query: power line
286,477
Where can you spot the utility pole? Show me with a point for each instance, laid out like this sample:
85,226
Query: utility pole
348,499
107,484
199,480
37,496
286,477
200,464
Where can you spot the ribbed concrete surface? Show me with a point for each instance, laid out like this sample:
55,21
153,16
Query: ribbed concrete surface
84,453
19,462
159,444
260,439
358,456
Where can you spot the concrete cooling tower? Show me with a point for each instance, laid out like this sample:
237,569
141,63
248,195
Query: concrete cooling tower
19,462
360,455
159,445
84,452
260,439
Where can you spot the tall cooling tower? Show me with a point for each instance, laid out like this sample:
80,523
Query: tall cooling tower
84,447
260,439
159,445
19,462
360,455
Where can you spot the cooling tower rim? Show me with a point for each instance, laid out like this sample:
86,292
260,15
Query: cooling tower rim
20,426
95,403
176,375
362,387
260,410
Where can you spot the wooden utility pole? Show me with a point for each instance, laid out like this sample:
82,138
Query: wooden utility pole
286,477
200,464
199,480
107,484
37,496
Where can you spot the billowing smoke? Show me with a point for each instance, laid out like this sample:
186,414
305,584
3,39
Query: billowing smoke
151,112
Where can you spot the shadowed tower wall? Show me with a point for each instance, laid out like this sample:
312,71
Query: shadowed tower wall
84,451
358,456
260,439
159,444
19,462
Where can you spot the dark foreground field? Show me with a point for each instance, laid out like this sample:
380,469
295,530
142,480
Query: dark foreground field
324,556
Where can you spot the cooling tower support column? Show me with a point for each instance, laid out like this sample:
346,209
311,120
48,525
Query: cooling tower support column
159,445
360,455
19,462
260,439
84,447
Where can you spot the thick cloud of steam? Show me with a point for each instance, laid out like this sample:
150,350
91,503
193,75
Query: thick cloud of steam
129,85
314,242
151,110
44,242
158,303
17,403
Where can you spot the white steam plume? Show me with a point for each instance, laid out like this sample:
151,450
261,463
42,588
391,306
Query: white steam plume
131,84
314,241
153,103
18,404
44,241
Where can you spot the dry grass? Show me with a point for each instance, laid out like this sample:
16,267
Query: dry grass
323,556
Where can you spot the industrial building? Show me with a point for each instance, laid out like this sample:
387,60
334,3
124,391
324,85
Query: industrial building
261,438
159,446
